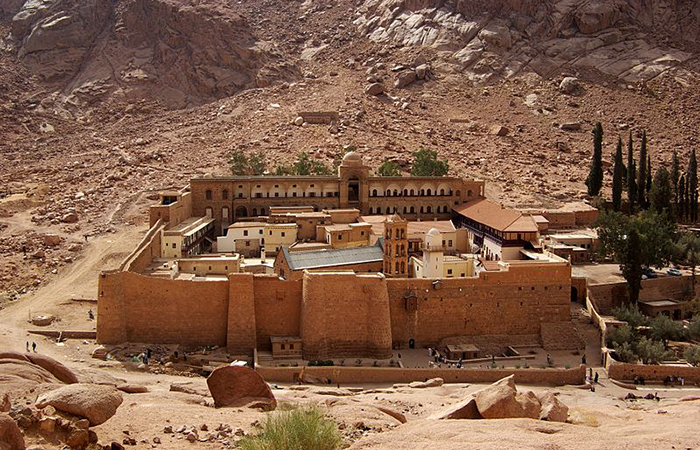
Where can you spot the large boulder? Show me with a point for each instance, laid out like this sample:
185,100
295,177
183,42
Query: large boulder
97,403
595,16
529,404
498,401
57,369
496,36
466,409
553,410
239,386
10,436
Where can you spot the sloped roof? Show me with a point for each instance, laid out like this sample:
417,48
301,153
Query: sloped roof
413,227
496,216
330,258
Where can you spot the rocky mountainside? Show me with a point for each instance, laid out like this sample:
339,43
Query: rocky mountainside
103,102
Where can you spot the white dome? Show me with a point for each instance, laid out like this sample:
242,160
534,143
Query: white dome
433,239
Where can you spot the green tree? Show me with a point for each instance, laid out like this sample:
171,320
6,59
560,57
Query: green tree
257,163
692,355
692,186
427,164
687,251
649,180
651,351
664,329
625,352
631,261
661,195
305,166
675,178
594,182
238,163
694,329
681,199
611,227
619,335
389,168
631,177
630,314
642,173
617,177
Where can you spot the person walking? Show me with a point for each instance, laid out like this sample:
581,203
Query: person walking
34,346
27,346
595,378
583,359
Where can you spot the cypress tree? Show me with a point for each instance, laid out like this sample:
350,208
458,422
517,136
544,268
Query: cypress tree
631,261
681,198
661,194
642,172
631,177
595,176
617,177
649,178
675,176
693,186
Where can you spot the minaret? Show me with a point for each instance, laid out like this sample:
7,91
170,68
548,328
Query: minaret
433,255
395,247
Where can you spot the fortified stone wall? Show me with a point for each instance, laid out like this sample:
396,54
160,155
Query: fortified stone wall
605,297
512,302
627,372
148,249
138,308
345,315
355,375
277,309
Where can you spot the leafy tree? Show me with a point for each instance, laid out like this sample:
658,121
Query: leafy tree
611,227
664,329
651,351
304,166
631,260
692,355
687,251
619,336
595,176
642,173
389,169
617,177
427,164
284,170
631,177
241,164
630,314
675,178
661,195
625,352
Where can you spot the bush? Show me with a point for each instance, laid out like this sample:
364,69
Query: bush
630,314
619,335
651,351
664,329
692,355
298,429
694,329
625,353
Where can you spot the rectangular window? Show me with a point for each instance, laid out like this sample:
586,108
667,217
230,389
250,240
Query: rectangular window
258,195
260,231
294,194
277,194
283,234
240,195
291,346
245,232
174,245
449,243
312,194
282,346
449,271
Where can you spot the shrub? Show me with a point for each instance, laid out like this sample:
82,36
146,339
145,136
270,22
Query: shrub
651,351
664,329
298,429
630,314
625,353
694,329
619,335
692,355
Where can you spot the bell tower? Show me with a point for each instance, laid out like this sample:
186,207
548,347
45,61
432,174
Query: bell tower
396,247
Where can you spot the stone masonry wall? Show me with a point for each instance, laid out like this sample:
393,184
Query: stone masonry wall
513,302
277,309
345,315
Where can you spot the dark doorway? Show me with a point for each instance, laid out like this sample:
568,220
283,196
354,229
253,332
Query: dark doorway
241,211
574,294
411,343
354,190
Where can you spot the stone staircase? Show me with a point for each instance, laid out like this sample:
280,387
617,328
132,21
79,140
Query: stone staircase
264,358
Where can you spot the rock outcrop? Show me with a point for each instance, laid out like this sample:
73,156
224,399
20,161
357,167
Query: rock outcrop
10,435
240,386
553,410
97,403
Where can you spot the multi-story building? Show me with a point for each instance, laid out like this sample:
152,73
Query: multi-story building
228,199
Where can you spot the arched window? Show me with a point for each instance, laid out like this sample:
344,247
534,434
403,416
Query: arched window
428,192
374,192
224,194
405,192
403,267
224,214
387,193
405,209
442,192
421,210
422,192
397,267
370,210
396,193
379,209
208,194
262,211
411,192
209,212
469,193
429,210
255,211
413,210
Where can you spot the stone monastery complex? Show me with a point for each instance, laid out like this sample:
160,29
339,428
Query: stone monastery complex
315,268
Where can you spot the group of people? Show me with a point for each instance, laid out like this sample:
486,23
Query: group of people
439,360
33,347
672,380
591,379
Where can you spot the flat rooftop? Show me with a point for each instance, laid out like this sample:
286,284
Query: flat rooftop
189,226
247,225
660,303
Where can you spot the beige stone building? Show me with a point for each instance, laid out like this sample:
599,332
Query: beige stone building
346,235
189,237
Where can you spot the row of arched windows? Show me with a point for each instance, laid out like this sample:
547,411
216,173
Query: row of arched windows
412,192
410,210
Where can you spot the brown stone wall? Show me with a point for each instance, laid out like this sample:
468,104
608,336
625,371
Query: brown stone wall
627,372
144,253
277,308
345,315
241,337
370,267
354,375
138,308
513,302
605,297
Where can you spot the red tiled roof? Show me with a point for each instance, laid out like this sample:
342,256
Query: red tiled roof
497,216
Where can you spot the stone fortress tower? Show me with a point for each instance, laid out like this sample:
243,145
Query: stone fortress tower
396,247
433,254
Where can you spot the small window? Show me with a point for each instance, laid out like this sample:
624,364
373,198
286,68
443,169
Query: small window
282,346
208,194
224,194
291,346
261,231
283,234
449,271
174,245
245,232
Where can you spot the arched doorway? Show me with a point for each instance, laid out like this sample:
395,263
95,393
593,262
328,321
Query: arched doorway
241,211
353,190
